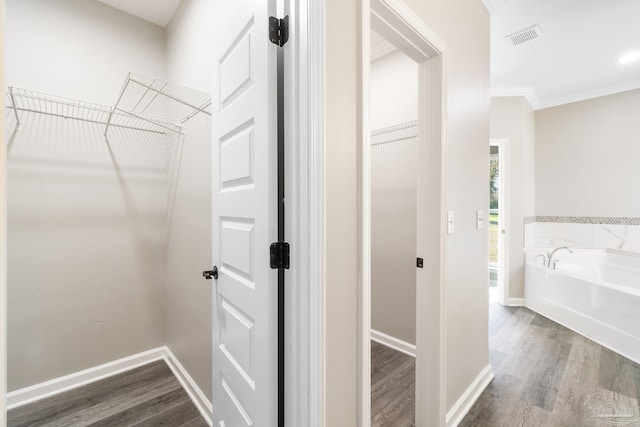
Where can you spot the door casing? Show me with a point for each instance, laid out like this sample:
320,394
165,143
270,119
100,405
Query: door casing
304,165
503,231
395,21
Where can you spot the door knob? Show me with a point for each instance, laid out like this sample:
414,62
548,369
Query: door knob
211,273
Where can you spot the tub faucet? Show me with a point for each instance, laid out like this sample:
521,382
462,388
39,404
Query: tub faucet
544,258
550,257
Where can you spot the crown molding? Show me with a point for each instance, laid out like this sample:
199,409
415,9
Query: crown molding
493,6
527,93
583,96
537,104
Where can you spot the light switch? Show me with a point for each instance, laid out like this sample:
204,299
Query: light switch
450,222
480,219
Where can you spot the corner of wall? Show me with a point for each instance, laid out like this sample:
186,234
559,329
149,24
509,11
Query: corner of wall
3,240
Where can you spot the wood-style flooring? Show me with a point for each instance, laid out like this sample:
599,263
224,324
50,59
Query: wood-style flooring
148,396
547,375
393,376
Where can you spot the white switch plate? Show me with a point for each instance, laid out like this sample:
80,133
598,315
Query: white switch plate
450,222
480,219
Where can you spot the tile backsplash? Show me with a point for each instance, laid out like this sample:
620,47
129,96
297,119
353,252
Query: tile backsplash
583,232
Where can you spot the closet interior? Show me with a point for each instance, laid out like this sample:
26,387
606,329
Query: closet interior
109,193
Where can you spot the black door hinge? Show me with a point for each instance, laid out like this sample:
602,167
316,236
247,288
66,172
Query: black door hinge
279,30
279,255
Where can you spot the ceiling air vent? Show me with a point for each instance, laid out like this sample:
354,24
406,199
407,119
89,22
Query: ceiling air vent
524,36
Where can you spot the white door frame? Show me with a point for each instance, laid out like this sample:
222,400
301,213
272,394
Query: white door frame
503,219
394,20
304,165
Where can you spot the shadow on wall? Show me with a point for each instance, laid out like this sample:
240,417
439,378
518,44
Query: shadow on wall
87,232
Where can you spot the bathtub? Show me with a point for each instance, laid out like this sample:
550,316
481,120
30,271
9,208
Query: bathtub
593,292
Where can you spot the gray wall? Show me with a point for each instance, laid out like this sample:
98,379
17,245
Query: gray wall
87,222
393,100
513,118
587,157
189,40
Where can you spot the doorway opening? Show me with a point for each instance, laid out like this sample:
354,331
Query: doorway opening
498,253
424,250
393,114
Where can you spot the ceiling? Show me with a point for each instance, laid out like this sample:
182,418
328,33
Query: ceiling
379,46
577,55
159,12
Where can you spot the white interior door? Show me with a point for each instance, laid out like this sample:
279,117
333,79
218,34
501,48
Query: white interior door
244,217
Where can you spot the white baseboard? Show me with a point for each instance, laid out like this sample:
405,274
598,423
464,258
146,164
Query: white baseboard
394,343
45,389
197,396
515,302
55,386
469,397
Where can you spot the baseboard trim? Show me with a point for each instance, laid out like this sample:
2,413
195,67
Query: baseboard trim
394,343
469,397
195,393
515,302
59,385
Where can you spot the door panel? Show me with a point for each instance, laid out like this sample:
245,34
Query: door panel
244,218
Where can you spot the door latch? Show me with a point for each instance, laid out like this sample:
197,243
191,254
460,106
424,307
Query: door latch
419,263
209,274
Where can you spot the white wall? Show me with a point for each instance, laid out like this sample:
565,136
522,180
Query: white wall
190,37
464,26
393,100
3,245
586,166
587,157
393,90
87,220
513,118
341,213
78,49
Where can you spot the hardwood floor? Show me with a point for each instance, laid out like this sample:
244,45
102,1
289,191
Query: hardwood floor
147,396
392,387
547,375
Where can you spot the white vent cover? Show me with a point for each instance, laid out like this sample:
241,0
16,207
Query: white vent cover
524,36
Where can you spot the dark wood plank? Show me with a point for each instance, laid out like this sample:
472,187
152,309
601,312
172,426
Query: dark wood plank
544,374
198,422
60,405
177,417
399,412
145,410
617,373
148,394
498,316
392,387
394,384
384,360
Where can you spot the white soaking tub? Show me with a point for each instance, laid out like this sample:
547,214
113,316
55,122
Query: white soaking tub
594,292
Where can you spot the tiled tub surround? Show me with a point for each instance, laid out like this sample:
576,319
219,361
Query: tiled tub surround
621,233
594,292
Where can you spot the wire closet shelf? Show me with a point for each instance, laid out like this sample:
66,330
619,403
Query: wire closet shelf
141,105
